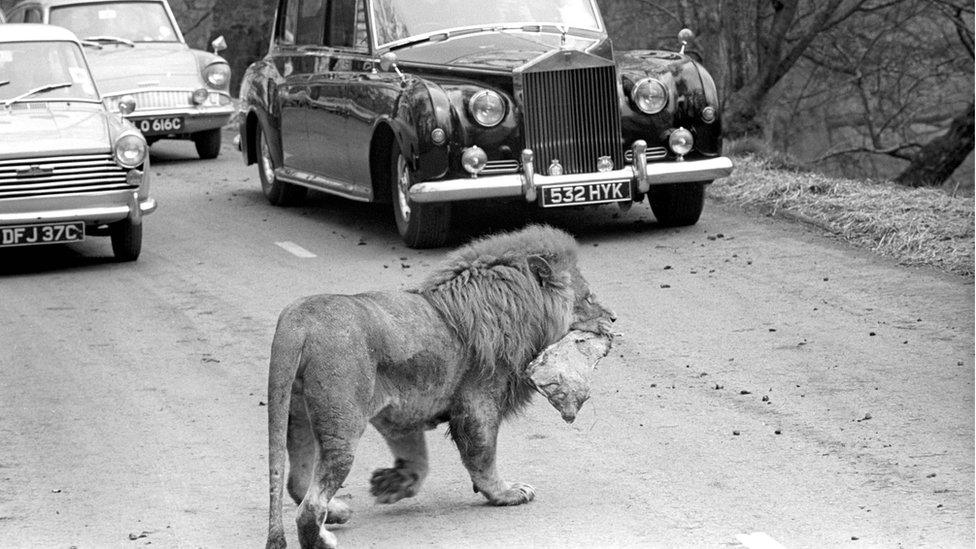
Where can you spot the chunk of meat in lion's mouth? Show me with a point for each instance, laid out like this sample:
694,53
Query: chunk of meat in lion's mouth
562,371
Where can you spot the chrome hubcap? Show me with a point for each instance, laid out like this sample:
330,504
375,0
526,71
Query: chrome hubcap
403,188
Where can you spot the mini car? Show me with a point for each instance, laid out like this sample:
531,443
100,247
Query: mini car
137,52
69,168
424,104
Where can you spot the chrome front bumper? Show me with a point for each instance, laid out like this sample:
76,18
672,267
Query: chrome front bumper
527,184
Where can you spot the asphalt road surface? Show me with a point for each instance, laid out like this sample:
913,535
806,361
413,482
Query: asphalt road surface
771,387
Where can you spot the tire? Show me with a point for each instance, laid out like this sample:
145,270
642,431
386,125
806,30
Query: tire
276,191
126,240
420,225
677,205
208,143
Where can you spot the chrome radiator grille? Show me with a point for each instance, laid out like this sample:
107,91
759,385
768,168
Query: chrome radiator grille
572,116
158,99
60,175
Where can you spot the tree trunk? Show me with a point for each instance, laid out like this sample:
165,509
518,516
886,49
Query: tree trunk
934,164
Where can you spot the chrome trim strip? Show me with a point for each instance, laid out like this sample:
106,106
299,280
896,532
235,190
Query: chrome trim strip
317,182
190,111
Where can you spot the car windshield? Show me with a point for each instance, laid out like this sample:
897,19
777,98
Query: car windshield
128,21
29,66
397,20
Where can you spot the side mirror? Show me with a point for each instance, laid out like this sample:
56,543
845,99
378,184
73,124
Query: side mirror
388,61
686,35
219,44
127,105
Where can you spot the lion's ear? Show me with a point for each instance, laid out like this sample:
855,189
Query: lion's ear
539,267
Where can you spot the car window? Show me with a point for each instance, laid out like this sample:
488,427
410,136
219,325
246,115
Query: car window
362,30
135,21
396,20
26,66
311,23
342,23
33,15
289,24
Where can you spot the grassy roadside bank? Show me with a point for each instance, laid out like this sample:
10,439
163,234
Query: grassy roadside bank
913,226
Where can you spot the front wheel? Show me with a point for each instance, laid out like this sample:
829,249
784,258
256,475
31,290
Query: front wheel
276,191
126,240
677,205
420,225
207,143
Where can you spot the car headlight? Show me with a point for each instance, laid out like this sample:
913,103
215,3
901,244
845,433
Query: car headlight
130,151
650,95
487,108
217,75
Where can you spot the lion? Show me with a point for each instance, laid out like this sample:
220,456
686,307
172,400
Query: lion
452,350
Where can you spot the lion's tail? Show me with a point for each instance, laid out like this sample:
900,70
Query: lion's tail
286,354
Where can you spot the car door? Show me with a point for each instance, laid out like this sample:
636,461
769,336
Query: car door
329,105
301,35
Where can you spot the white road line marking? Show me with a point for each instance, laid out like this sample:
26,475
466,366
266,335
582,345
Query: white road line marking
758,540
295,249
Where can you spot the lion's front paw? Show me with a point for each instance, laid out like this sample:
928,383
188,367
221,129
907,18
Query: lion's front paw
516,494
392,485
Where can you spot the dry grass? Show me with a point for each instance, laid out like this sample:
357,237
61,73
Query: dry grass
914,226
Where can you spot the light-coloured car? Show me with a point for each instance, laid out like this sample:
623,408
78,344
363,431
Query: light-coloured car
137,52
69,168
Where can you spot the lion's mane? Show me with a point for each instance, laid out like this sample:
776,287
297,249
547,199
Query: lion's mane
504,310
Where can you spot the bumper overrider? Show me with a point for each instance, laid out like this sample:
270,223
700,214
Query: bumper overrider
640,175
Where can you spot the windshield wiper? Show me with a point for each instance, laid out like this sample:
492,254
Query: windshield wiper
111,39
91,44
42,89
4,82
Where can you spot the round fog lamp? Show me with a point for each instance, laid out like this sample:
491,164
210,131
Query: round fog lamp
438,136
200,96
681,141
474,159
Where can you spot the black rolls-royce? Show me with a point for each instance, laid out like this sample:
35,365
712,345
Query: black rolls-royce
424,103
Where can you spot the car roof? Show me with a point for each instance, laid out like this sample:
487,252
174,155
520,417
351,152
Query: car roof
35,32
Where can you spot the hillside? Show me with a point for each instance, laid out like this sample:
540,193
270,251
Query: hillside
914,226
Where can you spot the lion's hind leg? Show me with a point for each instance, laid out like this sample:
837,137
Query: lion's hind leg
301,458
337,434
409,470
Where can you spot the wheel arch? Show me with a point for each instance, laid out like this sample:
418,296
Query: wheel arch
381,146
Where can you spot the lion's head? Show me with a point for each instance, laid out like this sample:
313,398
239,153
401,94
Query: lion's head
510,295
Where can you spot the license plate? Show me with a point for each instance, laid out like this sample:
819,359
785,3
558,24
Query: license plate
159,126
49,233
585,193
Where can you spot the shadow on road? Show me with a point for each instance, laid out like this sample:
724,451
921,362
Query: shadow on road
49,258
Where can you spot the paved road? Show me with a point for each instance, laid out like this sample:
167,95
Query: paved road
772,385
